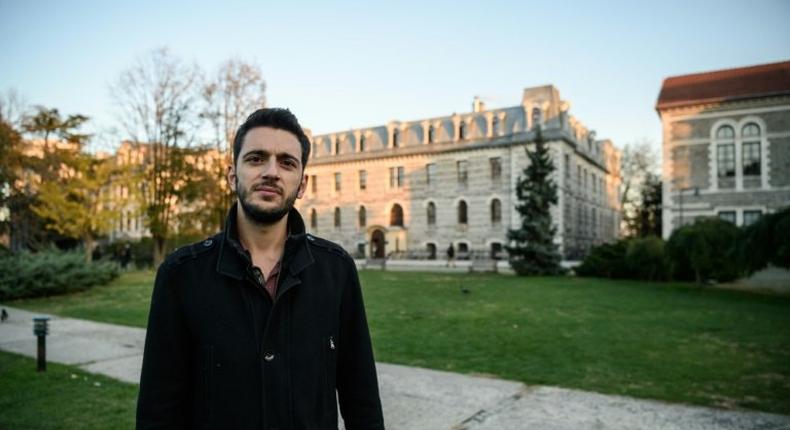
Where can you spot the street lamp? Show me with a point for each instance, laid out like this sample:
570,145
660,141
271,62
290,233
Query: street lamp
680,199
41,330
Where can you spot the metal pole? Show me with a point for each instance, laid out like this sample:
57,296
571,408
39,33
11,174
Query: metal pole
42,354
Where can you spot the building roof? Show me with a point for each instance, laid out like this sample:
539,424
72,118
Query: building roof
725,85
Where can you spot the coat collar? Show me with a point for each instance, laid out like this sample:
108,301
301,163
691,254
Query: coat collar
234,260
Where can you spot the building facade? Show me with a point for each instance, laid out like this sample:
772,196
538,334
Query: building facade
726,144
413,188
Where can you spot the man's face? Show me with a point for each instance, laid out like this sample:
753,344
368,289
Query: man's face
268,175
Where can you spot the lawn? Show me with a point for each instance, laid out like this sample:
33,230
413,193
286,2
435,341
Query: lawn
673,342
63,397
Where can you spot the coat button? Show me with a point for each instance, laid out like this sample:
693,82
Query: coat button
268,356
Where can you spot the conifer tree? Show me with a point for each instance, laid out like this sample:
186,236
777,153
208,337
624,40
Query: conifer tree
532,249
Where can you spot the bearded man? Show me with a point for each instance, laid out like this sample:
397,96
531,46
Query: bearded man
261,326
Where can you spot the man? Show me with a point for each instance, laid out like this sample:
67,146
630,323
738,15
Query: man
261,325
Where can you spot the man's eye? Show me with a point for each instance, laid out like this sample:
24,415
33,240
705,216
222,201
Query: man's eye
254,159
289,163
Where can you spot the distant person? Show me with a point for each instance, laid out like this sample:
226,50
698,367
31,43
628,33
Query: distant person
451,256
262,325
126,256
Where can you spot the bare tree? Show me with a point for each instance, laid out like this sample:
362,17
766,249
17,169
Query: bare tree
12,107
639,160
157,101
236,90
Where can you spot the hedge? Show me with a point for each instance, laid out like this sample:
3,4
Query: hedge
50,273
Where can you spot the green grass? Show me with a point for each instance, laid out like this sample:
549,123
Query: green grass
674,342
63,397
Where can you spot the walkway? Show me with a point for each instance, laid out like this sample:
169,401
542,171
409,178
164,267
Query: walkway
414,398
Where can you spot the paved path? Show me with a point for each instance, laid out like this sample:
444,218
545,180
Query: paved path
414,399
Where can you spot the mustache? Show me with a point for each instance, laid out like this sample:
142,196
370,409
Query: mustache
268,185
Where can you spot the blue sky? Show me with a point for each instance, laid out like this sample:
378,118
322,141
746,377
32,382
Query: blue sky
340,65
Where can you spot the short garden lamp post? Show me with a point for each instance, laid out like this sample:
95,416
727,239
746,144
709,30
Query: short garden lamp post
41,330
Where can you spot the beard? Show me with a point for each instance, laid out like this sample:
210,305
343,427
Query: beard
260,215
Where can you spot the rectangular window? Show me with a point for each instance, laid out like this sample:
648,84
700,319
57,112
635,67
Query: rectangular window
463,172
430,173
363,179
725,158
314,183
749,217
727,216
401,176
337,181
496,169
567,166
579,177
392,177
751,158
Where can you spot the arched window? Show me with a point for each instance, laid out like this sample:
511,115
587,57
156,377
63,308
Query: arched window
337,217
431,248
496,251
462,131
431,212
313,219
363,216
725,132
462,212
463,248
431,134
496,212
396,215
751,149
395,138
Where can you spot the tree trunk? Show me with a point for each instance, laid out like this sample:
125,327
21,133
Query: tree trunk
159,250
89,245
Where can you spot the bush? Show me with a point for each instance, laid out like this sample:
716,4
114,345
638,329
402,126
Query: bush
705,250
646,259
637,258
767,241
606,261
50,273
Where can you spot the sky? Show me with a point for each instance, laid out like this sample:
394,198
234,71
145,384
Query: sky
341,65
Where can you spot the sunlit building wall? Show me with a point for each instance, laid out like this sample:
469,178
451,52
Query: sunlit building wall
415,187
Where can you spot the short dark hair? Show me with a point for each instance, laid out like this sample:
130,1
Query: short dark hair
278,118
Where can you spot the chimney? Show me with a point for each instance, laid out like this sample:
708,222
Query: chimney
478,105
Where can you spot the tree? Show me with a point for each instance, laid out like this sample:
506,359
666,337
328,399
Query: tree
533,251
637,164
157,101
80,202
236,90
10,169
647,217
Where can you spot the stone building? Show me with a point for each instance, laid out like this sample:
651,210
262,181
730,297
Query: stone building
726,144
414,187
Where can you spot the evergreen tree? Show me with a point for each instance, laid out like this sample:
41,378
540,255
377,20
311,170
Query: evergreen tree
532,250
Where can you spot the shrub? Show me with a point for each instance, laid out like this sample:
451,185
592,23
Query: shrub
646,259
767,241
49,273
705,250
605,261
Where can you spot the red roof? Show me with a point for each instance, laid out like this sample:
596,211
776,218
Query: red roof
725,85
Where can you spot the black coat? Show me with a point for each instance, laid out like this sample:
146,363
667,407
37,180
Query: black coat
219,353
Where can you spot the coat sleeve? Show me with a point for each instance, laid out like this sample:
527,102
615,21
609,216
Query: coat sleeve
357,386
164,383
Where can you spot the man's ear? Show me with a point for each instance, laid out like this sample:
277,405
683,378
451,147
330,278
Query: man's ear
231,175
302,186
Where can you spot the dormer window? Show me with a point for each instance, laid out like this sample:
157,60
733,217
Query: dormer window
462,131
495,126
431,132
395,138
362,143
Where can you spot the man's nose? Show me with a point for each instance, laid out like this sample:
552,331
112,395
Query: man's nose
270,168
